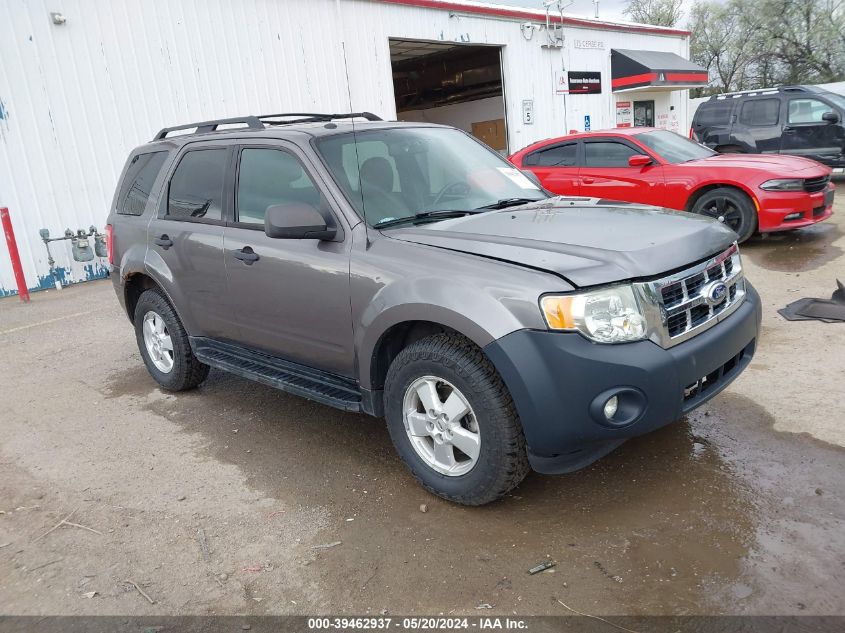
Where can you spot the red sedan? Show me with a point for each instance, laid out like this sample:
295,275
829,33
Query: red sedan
749,193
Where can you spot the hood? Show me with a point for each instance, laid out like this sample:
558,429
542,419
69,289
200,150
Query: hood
782,165
586,245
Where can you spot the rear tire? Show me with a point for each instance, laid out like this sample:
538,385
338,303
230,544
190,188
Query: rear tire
453,375
730,206
164,344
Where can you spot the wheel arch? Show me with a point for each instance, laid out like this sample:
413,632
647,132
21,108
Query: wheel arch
696,194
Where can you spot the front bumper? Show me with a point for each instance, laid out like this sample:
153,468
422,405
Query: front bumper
783,211
557,378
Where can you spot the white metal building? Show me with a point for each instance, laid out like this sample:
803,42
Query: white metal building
84,81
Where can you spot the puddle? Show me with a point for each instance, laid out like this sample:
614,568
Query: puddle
795,251
715,513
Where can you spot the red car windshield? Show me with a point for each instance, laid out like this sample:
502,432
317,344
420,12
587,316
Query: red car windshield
673,148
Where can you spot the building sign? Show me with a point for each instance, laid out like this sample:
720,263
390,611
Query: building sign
596,45
587,123
561,87
528,111
585,83
624,114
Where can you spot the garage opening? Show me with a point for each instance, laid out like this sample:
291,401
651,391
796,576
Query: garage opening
452,84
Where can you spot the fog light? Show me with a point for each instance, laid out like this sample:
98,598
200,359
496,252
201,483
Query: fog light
793,216
610,407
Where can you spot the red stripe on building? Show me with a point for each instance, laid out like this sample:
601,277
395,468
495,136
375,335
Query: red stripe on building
633,79
687,77
536,16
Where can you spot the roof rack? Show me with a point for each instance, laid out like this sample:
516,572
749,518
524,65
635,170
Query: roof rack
759,91
260,123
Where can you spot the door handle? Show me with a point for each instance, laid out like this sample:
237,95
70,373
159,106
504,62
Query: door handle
246,255
164,241
588,181
789,130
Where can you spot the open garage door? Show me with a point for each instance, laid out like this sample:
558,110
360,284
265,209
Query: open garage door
452,84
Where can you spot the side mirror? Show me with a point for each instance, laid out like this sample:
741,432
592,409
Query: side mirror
830,117
296,221
639,160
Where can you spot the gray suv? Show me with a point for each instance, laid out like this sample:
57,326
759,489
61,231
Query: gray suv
407,271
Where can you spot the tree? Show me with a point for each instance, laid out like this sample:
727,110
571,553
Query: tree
747,44
657,12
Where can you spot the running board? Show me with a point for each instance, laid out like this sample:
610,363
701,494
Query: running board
307,382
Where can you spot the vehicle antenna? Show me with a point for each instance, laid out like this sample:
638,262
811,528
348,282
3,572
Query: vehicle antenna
354,136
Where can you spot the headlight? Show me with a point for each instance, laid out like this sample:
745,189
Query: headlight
784,184
611,315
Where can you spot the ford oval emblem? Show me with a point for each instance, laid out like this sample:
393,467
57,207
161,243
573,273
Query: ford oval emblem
715,292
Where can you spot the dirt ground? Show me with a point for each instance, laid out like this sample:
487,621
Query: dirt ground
217,501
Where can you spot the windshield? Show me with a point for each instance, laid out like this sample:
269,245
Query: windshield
673,148
400,172
837,99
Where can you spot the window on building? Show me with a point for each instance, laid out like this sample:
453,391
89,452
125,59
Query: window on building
140,176
196,188
607,154
557,156
759,112
807,110
268,177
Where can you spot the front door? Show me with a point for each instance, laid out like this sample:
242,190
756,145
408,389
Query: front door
185,240
605,173
807,134
292,300
643,113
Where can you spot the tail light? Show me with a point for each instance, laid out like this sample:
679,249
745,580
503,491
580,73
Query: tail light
110,242
691,134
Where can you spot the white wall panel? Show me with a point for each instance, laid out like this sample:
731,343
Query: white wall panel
76,98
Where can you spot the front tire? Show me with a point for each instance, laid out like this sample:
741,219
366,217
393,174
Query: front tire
453,422
731,207
164,345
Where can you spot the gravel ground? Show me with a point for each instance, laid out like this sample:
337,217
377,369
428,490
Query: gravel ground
221,500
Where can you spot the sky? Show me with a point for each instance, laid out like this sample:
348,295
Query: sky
608,9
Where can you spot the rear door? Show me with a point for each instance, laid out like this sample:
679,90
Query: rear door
605,173
290,296
557,167
759,120
185,239
807,134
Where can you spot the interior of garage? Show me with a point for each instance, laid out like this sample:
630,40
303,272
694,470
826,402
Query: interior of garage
452,84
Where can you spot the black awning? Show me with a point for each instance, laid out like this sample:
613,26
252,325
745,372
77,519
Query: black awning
631,70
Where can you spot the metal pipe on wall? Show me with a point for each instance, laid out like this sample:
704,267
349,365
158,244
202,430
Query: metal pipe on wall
17,268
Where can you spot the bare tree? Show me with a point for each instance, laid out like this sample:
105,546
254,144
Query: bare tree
762,43
657,12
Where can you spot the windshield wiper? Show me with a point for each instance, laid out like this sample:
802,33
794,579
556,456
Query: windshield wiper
422,215
510,202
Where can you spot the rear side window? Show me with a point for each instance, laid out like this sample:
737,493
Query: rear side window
139,179
196,188
759,112
558,156
714,113
269,177
607,154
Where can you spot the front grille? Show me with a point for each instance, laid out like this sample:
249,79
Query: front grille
691,301
812,185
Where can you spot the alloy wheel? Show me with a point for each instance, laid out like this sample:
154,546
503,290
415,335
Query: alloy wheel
441,426
158,342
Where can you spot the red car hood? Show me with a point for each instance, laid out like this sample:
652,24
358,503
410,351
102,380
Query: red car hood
781,163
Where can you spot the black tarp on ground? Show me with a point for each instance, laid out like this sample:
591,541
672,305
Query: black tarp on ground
828,310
